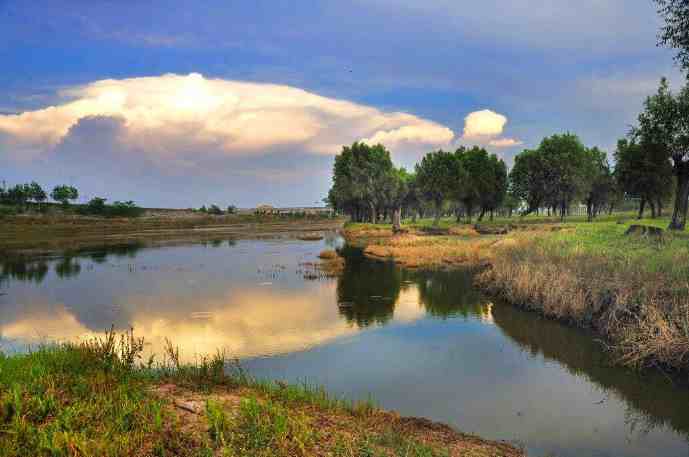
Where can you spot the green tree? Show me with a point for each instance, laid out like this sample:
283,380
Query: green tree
64,194
675,32
215,210
530,179
566,158
599,182
96,206
439,176
36,193
664,123
643,172
19,194
362,179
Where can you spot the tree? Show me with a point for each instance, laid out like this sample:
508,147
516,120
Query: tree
96,206
64,194
485,183
600,182
664,124
675,32
399,188
19,194
231,209
565,157
36,193
439,175
361,181
215,210
495,195
643,172
529,179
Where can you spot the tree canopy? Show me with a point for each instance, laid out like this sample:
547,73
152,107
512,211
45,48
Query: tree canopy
664,124
675,32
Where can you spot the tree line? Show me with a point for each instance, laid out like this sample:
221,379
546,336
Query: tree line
21,196
651,165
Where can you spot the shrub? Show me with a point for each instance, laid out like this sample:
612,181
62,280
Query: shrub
215,210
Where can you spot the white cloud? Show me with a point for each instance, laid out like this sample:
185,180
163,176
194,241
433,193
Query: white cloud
484,127
483,123
165,114
505,142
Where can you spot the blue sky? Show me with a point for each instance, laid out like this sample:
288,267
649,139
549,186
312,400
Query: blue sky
235,102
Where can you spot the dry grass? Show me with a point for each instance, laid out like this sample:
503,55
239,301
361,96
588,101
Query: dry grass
414,251
641,307
634,291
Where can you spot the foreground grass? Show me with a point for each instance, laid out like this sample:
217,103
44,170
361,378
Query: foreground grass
634,291
95,399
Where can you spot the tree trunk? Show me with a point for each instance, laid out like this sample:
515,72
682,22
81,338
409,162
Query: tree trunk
653,209
659,207
438,211
589,210
374,215
642,205
481,214
413,216
679,215
397,220
491,215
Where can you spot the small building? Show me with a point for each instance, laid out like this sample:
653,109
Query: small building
265,209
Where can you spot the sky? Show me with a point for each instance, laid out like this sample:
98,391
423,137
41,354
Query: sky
182,104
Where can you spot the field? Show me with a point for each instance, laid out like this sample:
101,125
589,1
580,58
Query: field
633,290
98,398
57,233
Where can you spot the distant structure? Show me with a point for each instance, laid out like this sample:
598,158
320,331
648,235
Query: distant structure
266,209
296,210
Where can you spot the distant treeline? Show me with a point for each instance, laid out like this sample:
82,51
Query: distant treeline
651,166
22,197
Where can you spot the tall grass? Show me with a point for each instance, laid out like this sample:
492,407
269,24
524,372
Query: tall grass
632,290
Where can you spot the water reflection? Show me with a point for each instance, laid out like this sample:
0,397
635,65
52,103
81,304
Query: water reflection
581,356
427,343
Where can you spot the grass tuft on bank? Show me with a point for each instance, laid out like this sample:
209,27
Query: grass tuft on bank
100,398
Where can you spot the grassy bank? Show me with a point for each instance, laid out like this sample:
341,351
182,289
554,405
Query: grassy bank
97,399
55,233
633,290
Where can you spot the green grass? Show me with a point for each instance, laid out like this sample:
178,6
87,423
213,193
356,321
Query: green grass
64,402
100,399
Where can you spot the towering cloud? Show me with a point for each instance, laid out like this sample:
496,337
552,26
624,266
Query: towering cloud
165,114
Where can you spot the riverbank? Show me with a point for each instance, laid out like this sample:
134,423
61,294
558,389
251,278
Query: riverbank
632,290
98,399
52,234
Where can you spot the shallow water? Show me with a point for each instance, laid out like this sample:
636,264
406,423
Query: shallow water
425,344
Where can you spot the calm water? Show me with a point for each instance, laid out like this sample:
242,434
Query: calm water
425,344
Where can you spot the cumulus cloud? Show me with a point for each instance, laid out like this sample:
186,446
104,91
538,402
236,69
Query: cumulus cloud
485,127
483,123
166,114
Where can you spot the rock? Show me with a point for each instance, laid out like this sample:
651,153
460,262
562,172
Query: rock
491,230
435,230
645,230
